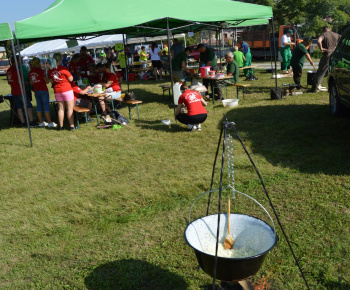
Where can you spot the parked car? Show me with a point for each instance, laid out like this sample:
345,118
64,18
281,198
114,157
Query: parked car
339,76
4,66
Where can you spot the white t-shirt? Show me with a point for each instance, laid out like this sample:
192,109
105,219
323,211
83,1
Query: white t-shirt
154,55
285,39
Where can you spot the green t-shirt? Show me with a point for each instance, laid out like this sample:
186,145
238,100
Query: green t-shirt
143,55
28,87
121,59
177,61
238,57
298,57
233,68
208,55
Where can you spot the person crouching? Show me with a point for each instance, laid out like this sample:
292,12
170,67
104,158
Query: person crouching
196,113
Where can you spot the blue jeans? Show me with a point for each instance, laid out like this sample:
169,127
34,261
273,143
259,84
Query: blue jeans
42,101
19,102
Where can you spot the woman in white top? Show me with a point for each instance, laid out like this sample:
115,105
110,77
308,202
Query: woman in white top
156,62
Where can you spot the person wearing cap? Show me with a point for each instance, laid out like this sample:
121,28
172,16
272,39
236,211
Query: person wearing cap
327,42
285,51
247,58
298,59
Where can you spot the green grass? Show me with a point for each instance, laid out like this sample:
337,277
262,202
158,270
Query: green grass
106,209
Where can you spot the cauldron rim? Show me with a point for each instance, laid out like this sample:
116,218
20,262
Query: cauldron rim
228,258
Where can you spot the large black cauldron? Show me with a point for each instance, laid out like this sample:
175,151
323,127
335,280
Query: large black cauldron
248,232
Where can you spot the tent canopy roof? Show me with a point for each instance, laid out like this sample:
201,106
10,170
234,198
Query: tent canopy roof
5,32
61,20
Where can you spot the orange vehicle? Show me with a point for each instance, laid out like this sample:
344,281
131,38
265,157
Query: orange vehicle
259,40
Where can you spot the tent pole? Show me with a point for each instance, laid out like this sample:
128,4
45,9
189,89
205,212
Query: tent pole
126,62
220,40
270,38
21,84
170,65
274,50
185,40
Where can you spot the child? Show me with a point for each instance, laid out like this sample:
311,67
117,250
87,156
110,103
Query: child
165,61
38,80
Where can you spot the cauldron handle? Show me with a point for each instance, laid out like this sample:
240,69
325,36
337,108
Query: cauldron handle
189,215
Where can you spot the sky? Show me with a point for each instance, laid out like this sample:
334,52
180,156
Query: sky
15,10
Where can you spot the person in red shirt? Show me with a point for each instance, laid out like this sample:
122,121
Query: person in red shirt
196,113
39,82
94,76
60,77
12,79
84,61
111,81
74,67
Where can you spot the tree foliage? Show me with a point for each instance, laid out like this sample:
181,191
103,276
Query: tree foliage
309,15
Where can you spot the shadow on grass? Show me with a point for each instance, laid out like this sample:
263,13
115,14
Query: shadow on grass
133,274
337,285
158,126
302,137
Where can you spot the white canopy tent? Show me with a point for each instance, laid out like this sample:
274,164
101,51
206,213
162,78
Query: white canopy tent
60,45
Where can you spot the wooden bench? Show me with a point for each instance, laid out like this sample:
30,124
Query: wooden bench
239,87
165,88
130,105
246,67
78,110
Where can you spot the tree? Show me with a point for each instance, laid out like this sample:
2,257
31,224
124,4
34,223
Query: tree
309,15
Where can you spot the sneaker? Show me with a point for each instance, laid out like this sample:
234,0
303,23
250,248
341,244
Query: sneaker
90,119
191,128
61,129
199,127
51,125
72,128
43,124
323,89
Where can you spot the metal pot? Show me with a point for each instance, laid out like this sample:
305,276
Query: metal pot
247,231
311,77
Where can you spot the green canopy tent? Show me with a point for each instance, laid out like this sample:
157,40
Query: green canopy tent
61,19
5,35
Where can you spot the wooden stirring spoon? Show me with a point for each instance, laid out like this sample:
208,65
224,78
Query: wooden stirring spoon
228,242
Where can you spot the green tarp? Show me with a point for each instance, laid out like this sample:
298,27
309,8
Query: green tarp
251,23
134,18
5,32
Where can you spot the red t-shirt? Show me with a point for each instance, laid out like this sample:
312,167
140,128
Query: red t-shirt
192,101
60,77
12,79
94,78
73,66
76,90
115,85
84,64
37,75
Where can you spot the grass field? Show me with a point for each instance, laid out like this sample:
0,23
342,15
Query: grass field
106,209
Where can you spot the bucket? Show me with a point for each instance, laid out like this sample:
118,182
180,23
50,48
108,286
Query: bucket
131,77
177,92
204,70
311,77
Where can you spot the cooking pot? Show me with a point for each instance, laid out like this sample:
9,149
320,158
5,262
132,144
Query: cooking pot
248,232
311,77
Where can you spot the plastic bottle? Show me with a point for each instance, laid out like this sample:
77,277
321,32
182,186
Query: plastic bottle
177,92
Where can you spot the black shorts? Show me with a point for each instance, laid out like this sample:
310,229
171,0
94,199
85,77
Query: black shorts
156,64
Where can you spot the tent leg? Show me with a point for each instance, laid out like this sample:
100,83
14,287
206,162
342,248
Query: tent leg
20,78
126,62
170,66
274,50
